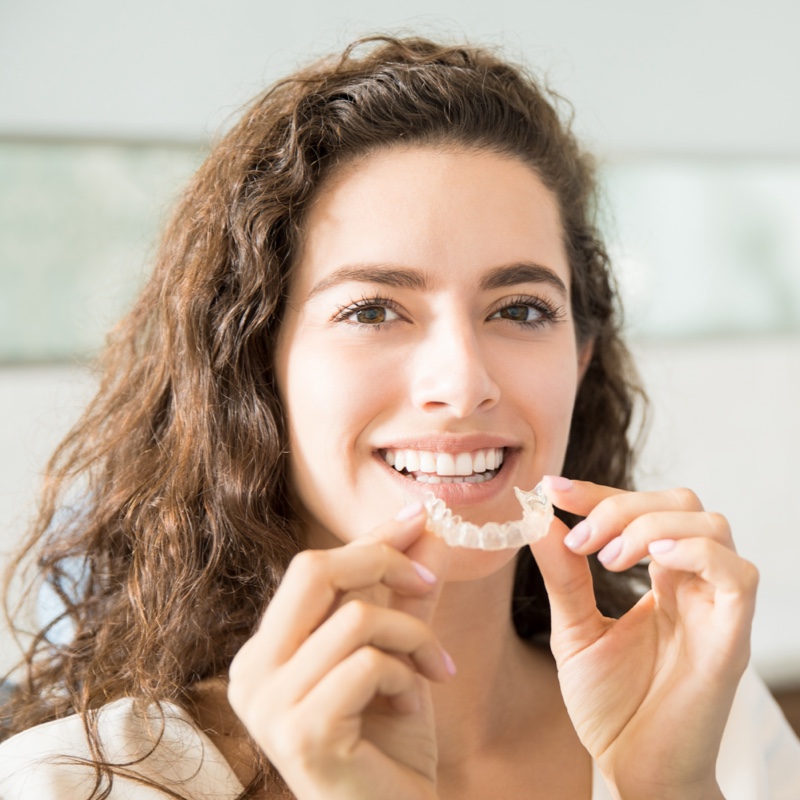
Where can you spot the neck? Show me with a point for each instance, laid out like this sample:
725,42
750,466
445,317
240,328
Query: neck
496,670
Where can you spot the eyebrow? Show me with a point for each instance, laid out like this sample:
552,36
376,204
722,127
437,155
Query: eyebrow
524,272
405,278
386,274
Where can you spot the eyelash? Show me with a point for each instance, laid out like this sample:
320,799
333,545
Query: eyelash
550,314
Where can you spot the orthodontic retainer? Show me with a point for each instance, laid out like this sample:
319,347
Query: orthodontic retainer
537,514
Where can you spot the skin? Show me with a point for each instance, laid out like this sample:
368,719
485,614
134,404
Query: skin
387,665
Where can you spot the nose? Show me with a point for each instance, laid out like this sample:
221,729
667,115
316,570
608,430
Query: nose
451,373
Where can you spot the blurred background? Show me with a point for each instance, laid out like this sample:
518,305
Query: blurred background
693,108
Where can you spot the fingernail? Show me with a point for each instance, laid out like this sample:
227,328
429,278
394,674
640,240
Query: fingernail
558,483
579,535
409,511
449,664
661,546
611,551
424,572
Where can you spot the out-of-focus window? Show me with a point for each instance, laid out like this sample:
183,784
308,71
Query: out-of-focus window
706,248
701,248
78,226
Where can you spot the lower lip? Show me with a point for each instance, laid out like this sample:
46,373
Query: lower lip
458,494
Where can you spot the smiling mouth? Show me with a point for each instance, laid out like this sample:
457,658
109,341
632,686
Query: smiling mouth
425,466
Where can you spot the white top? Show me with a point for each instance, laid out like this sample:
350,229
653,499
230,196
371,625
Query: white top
759,759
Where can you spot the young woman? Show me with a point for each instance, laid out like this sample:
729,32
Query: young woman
385,280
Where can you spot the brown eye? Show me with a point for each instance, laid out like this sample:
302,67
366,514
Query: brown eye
368,313
371,315
531,313
517,313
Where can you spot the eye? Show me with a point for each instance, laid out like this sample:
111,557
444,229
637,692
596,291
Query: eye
373,315
519,312
369,312
530,312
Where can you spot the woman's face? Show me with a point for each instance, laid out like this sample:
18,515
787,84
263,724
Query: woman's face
428,321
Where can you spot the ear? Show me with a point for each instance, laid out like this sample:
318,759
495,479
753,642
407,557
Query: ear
585,352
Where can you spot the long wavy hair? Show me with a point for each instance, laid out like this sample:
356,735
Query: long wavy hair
183,525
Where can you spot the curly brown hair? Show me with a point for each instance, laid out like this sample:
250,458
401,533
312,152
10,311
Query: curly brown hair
184,524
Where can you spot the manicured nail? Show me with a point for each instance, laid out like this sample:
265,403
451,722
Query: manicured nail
424,572
558,483
409,511
579,535
661,546
610,552
449,664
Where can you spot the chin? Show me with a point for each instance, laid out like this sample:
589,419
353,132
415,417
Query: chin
474,565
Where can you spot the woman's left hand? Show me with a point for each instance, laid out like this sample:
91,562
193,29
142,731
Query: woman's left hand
649,694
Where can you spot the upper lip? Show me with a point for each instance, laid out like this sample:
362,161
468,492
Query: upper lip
449,443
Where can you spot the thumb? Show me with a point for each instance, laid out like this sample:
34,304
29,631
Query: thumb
568,581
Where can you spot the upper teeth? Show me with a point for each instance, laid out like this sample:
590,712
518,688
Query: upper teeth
445,463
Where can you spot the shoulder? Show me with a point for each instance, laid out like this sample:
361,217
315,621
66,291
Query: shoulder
161,745
760,754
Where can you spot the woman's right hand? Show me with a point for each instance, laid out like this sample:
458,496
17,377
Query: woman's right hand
333,686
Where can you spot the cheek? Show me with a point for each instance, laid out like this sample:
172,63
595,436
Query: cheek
334,395
544,392
334,389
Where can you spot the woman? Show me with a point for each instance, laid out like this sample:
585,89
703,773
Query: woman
388,267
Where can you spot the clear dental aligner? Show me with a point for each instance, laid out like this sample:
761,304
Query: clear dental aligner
537,514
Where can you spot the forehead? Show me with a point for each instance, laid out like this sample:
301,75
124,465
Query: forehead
434,210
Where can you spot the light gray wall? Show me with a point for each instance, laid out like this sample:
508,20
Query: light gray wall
689,76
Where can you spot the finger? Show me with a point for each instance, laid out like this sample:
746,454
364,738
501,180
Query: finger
315,581
356,625
733,578
428,551
577,497
353,683
720,617
630,547
568,581
615,510
400,532
434,554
